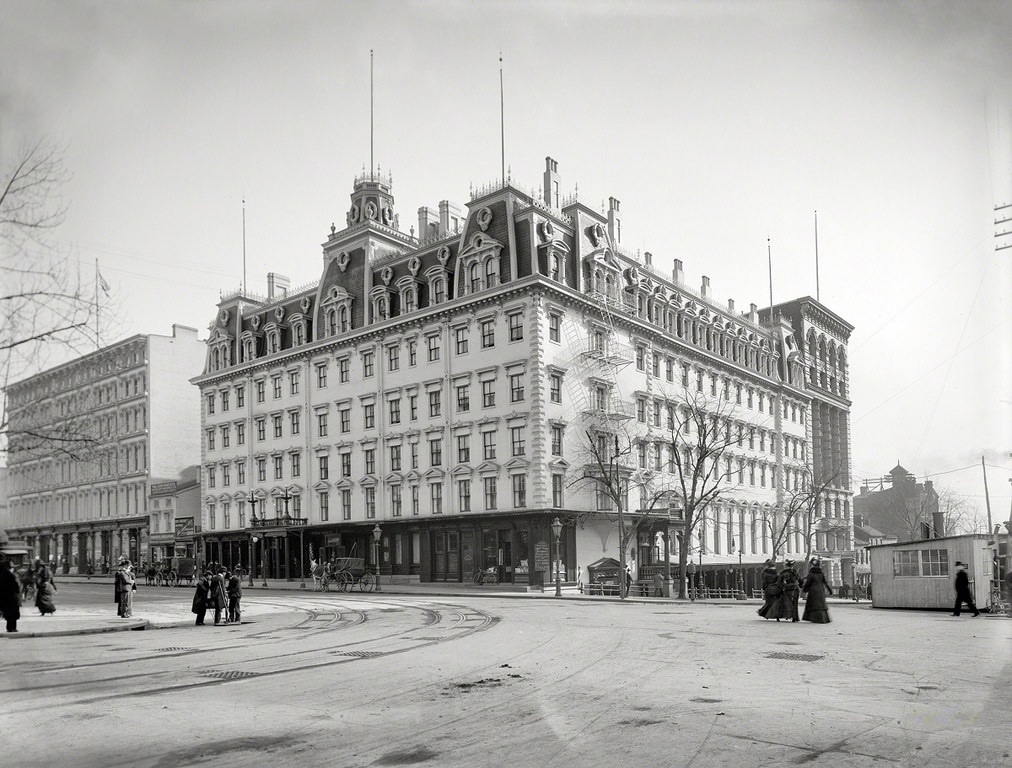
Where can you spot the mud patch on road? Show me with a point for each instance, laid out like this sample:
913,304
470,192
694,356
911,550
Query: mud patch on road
639,722
211,751
408,757
701,700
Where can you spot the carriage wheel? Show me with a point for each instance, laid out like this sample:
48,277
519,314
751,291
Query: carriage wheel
158,580
346,581
367,582
173,579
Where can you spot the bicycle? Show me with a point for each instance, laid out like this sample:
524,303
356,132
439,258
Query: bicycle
998,603
486,576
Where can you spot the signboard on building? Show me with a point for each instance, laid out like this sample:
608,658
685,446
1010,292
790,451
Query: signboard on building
163,489
184,528
542,557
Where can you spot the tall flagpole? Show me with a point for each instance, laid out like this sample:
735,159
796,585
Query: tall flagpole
769,261
98,343
244,246
502,123
370,116
817,256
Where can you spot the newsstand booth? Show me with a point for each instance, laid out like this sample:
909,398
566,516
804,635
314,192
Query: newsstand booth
920,574
603,575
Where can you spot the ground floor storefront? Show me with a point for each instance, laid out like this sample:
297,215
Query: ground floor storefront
87,548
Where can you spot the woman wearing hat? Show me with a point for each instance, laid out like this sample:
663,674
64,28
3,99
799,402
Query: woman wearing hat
787,605
771,589
816,588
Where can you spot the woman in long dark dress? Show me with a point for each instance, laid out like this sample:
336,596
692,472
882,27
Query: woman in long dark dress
786,606
45,590
771,590
816,588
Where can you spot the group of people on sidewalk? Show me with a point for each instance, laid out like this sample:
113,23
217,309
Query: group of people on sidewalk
14,588
783,587
218,590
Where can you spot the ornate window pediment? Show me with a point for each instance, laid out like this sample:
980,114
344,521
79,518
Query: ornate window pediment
478,265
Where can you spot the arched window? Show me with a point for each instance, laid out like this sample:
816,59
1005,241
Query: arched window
332,322
473,278
342,321
491,272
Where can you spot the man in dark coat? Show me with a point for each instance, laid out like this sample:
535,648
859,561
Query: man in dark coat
10,595
234,590
771,589
963,595
200,597
216,597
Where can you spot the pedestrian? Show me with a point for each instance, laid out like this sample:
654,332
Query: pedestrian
200,597
126,583
816,588
216,597
786,606
771,588
658,585
45,589
963,595
10,595
628,579
234,590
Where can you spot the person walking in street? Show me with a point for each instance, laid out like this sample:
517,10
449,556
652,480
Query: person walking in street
234,590
200,597
45,589
816,588
10,595
771,589
216,597
786,606
963,595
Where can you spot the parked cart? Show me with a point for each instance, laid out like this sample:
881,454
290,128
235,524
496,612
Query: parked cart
346,573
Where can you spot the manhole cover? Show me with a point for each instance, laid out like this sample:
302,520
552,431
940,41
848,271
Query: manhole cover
227,674
171,648
794,656
358,654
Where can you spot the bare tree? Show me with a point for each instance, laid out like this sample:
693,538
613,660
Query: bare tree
800,512
612,474
46,311
700,435
959,514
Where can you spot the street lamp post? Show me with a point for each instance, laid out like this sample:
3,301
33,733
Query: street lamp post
252,539
557,532
376,533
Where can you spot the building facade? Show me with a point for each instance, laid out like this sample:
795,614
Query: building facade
89,437
433,401
175,517
899,506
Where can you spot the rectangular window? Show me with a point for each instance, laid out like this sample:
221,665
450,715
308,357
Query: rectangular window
463,398
435,403
261,470
934,562
295,419
324,500
436,452
344,370
464,495
555,388
414,455
240,397
463,449
517,440
413,407
276,384
669,369
210,439
211,516
519,491
369,455
210,402
414,501
906,563
226,436
641,354
323,463
487,334
412,352
655,364
516,387
321,376
490,493
516,327
436,491
261,429
370,502
345,464
395,458
460,337
345,504
395,500
488,394
555,328
395,411
345,416
558,491
321,425
488,445
211,477
367,365
224,397
279,468
240,473
432,344
557,440
369,416
293,382
393,358
296,465
277,425
261,387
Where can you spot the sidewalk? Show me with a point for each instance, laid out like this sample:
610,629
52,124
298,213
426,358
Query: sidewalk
89,620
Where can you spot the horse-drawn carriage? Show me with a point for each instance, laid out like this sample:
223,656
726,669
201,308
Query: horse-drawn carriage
344,573
171,572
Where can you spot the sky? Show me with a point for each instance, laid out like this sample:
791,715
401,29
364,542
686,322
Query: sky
722,127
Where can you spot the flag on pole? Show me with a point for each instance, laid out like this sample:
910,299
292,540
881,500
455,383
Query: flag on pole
102,283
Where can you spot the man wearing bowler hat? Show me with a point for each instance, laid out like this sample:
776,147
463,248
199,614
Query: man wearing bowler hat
963,595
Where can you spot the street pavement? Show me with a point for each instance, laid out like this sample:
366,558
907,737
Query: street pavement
452,675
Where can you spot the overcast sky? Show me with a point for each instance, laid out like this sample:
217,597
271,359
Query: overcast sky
717,124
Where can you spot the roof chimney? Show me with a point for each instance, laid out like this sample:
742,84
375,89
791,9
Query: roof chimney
551,189
277,286
704,289
614,221
676,274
